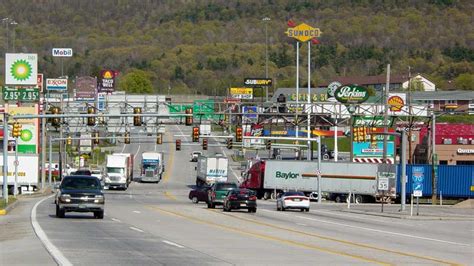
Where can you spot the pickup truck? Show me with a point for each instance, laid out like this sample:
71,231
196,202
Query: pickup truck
217,193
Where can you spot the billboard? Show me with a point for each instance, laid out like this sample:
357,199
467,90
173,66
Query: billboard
21,69
107,81
86,88
28,140
241,93
56,84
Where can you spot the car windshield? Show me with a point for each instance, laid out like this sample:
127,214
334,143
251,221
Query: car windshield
225,186
296,193
96,172
114,170
80,183
82,172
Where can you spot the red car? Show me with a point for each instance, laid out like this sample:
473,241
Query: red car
199,194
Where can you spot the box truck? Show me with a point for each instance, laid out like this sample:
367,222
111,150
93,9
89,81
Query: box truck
27,172
118,169
211,169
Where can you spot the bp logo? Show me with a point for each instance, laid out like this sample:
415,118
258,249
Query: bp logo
26,135
21,70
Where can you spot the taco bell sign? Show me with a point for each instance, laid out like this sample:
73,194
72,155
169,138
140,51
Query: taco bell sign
62,52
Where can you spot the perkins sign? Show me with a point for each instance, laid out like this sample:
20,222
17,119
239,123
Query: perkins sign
62,52
351,94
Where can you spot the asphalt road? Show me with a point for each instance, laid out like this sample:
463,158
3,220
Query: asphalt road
153,224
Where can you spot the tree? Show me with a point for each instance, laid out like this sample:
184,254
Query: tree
464,82
136,81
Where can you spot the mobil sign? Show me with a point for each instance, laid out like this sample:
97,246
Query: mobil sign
62,52
56,84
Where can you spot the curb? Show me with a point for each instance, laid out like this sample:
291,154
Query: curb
9,208
408,217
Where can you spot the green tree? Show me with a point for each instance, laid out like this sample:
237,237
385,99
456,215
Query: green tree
136,81
464,82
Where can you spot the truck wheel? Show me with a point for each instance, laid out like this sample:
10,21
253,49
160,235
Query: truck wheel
195,200
60,213
338,199
359,199
267,195
99,215
326,156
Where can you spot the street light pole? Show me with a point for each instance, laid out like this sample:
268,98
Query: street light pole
266,19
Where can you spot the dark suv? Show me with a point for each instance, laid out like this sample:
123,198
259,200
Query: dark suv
80,193
240,198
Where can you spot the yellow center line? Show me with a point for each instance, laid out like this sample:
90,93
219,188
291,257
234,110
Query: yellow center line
339,240
169,167
267,237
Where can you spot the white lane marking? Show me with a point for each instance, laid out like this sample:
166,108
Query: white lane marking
116,220
123,148
273,212
136,211
185,137
301,224
136,153
136,229
382,231
172,244
52,249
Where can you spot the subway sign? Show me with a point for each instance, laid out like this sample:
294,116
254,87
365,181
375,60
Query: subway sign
351,94
257,82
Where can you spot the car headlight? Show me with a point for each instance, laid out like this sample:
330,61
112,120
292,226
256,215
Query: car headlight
98,198
65,197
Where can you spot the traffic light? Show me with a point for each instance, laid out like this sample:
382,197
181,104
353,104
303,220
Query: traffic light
55,121
16,130
178,144
268,144
96,137
189,119
69,140
204,144
127,138
91,120
196,134
159,138
238,134
137,120
229,144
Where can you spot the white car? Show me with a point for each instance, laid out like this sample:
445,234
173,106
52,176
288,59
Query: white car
195,155
293,200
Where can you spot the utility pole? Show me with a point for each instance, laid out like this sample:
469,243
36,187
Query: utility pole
409,117
309,107
5,157
385,114
266,20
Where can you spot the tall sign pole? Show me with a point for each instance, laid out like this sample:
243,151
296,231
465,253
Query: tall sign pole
5,157
309,107
303,33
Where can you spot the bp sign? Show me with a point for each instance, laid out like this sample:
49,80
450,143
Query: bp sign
21,69
351,94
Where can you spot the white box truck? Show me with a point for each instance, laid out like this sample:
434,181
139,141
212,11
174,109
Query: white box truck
152,166
27,172
117,171
205,129
211,169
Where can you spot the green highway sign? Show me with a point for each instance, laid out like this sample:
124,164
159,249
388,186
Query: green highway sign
21,94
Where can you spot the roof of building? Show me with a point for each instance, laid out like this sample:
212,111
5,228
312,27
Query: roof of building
458,133
368,80
442,95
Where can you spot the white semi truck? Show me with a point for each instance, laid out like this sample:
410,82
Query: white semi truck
211,169
27,172
152,166
118,171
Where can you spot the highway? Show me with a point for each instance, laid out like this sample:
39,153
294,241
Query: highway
156,224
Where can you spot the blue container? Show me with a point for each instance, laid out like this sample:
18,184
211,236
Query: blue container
454,181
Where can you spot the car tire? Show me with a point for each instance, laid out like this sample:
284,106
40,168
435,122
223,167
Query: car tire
210,205
302,210
60,213
99,215
282,209
307,209
195,200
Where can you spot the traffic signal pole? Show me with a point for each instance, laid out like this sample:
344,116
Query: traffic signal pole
5,157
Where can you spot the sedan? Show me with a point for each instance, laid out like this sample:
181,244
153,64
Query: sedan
198,194
293,200
240,198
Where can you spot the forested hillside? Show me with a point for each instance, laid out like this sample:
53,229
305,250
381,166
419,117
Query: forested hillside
207,46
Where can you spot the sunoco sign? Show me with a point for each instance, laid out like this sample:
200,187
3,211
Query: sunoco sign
351,94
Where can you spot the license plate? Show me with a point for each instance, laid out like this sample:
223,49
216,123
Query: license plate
82,206
296,199
243,204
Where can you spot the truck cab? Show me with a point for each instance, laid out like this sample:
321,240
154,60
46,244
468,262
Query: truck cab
218,192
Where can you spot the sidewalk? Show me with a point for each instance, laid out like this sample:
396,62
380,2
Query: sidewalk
18,241
426,212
